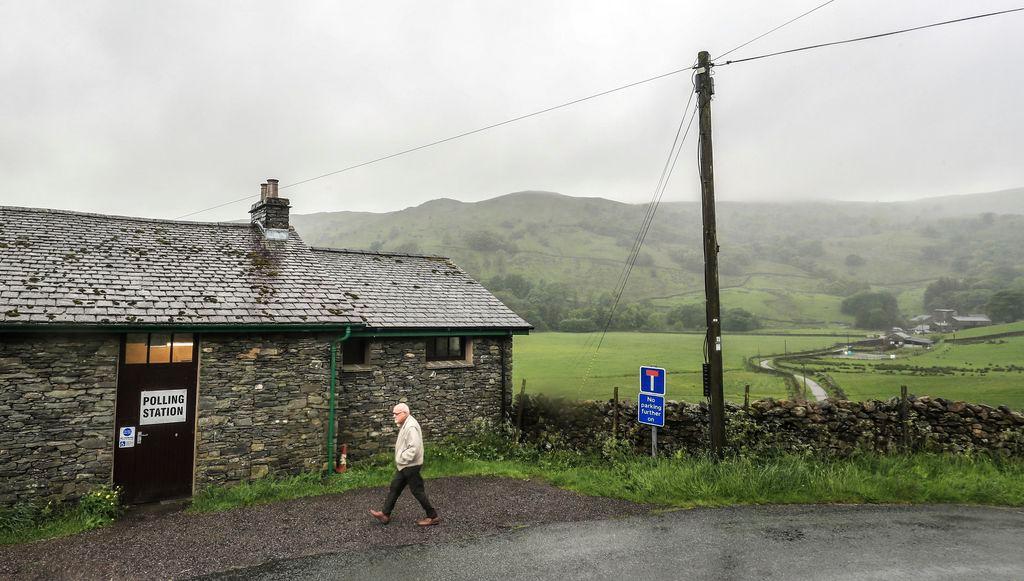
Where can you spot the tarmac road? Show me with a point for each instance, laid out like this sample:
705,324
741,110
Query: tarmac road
767,542
819,392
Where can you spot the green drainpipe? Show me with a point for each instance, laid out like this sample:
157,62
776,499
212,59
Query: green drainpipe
330,398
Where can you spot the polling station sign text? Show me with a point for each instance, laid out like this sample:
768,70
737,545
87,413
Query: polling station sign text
166,406
650,409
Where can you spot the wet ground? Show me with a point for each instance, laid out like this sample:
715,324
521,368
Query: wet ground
766,542
164,542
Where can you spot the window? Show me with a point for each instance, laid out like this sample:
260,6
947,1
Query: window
446,348
182,348
142,348
135,348
354,352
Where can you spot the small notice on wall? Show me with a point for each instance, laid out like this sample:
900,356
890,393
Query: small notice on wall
166,406
126,437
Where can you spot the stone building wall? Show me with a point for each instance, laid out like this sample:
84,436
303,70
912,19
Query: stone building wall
445,397
262,406
57,395
834,428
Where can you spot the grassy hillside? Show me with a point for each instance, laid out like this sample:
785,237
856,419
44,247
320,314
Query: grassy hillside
791,263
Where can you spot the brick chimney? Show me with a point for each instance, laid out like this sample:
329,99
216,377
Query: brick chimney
270,214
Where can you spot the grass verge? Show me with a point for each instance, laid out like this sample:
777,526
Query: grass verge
691,481
681,481
31,522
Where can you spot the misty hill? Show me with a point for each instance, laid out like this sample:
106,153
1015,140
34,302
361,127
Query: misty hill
790,262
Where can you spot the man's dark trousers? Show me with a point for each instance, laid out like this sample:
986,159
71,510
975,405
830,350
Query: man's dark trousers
410,476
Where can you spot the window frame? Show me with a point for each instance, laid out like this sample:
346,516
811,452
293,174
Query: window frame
432,354
171,336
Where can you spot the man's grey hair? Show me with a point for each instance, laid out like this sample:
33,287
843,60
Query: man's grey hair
402,408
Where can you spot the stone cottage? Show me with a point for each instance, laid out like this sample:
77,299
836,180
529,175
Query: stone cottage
164,356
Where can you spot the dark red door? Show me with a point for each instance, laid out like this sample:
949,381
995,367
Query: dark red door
156,411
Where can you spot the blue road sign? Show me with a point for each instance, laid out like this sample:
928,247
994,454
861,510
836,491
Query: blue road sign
652,380
650,409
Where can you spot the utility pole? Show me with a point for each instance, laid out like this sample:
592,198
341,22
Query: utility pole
705,89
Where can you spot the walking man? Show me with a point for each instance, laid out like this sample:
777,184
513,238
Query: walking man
408,461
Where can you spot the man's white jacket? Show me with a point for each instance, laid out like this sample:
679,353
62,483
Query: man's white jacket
409,446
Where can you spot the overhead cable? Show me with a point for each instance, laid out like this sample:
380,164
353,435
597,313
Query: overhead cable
784,24
873,36
453,137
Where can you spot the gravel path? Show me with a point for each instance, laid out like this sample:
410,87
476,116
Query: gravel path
181,545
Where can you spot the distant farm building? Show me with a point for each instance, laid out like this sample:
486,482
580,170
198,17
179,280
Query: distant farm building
947,321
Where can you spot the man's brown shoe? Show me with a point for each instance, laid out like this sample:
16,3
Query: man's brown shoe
383,518
427,521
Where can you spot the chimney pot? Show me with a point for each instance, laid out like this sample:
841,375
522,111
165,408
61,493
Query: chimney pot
271,188
263,191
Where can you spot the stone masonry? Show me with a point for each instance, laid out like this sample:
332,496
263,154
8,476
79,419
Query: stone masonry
262,406
445,397
57,396
832,428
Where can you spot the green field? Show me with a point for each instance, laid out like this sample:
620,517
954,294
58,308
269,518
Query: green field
568,365
557,364
990,372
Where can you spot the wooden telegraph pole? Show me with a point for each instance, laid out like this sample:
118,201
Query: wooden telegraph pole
705,89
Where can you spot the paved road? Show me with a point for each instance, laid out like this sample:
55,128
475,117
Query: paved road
774,542
819,392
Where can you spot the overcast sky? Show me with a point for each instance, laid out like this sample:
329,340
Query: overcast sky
164,108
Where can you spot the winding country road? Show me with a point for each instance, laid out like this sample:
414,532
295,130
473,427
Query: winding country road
819,392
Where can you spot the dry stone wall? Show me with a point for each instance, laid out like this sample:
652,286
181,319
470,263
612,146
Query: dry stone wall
444,397
834,428
57,395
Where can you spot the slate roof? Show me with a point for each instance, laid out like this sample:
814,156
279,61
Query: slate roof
70,268
972,319
406,291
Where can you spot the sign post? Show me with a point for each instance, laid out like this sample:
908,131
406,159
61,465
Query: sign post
650,403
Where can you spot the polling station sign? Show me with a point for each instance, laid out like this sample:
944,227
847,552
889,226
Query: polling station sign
165,406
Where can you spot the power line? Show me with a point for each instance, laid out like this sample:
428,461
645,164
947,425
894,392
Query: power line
648,215
670,164
873,36
454,137
784,24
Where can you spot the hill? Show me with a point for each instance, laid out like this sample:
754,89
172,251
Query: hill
789,262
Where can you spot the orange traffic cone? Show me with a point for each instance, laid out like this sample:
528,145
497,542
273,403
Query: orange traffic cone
343,463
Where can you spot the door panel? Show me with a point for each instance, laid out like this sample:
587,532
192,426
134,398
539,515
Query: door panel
156,405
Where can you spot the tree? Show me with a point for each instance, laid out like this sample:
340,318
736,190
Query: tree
739,320
873,310
1006,306
690,316
854,260
517,284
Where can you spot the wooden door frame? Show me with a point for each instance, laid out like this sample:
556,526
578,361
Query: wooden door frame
122,340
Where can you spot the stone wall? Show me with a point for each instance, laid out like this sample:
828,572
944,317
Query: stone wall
57,395
445,397
835,428
262,406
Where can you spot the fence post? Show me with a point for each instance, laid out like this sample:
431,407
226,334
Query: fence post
905,418
615,413
519,412
746,396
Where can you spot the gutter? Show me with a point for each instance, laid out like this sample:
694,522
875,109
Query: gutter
441,332
331,406
150,328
